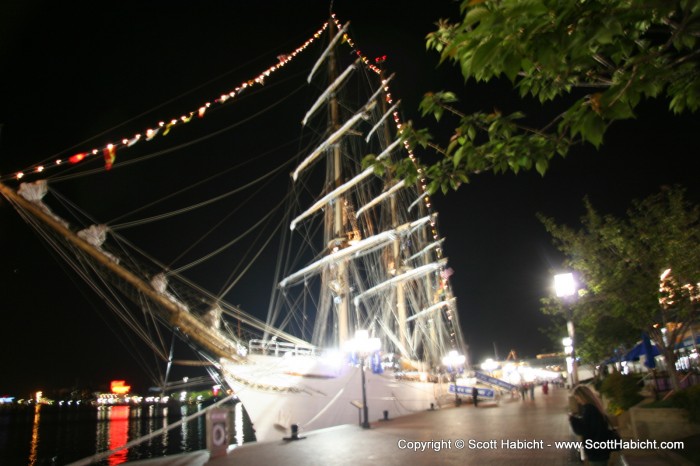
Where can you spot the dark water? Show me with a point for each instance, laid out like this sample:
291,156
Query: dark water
57,435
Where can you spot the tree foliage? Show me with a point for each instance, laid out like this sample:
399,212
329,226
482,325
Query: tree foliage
599,334
597,59
642,270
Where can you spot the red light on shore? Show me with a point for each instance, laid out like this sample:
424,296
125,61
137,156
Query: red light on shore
118,387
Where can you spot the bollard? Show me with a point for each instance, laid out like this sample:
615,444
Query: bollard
295,433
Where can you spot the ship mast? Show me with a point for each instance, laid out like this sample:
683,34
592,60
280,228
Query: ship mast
335,221
396,253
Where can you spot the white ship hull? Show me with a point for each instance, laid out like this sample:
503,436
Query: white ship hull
313,393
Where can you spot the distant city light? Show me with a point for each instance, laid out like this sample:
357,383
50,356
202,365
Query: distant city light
119,387
454,359
489,365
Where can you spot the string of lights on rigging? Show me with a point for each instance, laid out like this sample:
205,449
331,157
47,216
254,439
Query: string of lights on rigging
163,128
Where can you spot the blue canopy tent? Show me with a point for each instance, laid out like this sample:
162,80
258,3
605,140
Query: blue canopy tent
649,350
646,348
614,359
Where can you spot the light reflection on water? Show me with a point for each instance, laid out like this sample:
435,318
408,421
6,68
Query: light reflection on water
118,433
183,437
52,435
33,452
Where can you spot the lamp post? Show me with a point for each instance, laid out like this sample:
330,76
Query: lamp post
363,345
565,287
454,360
568,345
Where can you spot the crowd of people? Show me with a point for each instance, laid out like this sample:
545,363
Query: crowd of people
527,389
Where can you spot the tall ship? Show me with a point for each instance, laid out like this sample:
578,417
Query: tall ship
355,311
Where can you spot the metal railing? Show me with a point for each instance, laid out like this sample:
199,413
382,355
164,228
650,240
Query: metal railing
279,348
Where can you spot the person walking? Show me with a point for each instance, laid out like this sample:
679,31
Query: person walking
475,396
591,423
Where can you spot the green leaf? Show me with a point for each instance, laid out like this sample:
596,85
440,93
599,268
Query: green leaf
433,186
379,169
483,55
619,111
475,15
511,66
471,132
368,160
593,128
605,35
541,166
458,155
445,187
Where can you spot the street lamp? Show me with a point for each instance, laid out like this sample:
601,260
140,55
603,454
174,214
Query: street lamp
565,287
454,360
363,345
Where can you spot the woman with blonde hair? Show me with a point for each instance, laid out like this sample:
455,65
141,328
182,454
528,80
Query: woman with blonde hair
591,423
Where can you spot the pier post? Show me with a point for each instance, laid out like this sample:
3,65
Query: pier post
217,432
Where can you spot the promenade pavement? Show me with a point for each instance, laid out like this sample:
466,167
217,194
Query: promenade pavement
486,435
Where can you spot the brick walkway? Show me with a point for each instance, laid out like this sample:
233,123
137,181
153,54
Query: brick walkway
483,430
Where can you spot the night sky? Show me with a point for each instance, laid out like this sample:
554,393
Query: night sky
71,73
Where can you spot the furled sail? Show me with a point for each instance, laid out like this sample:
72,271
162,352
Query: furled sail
408,275
337,192
330,141
355,250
